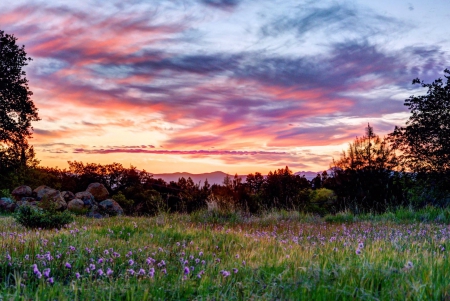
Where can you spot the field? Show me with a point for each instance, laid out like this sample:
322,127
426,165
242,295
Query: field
206,256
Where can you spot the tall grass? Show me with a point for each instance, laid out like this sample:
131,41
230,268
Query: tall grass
277,256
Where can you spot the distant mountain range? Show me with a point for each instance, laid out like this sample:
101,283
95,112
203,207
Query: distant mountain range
214,177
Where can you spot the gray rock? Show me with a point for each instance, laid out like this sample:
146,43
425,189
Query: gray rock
110,207
99,191
21,191
67,196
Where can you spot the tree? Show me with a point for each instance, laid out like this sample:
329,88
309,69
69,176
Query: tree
424,142
17,110
368,152
364,177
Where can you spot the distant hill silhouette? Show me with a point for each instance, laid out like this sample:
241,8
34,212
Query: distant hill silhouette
214,177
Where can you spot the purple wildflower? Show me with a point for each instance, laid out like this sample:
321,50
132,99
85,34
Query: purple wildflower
109,272
130,262
46,273
77,275
50,280
358,251
67,265
100,272
235,270
131,271
186,270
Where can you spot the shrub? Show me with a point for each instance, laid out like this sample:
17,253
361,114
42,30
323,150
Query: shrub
33,217
125,203
4,193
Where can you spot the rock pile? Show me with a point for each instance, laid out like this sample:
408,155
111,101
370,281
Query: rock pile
93,202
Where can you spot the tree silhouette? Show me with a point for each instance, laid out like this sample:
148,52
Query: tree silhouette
424,142
17,110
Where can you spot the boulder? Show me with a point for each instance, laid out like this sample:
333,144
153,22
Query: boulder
21,191
5,202
42,191
26,203
11,207
110,207
76,205
67,196
94,215
99,191
28,199
86,197
52,195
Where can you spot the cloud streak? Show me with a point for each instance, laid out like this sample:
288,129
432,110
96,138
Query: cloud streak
133,75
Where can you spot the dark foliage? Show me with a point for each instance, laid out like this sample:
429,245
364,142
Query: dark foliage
425,140
364,178
45,216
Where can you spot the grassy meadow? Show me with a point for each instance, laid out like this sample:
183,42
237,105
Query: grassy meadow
400,255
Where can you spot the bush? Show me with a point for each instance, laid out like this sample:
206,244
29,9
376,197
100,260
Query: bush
4,193
125,203
33,217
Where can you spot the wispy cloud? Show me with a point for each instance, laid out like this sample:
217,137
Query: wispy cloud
146,74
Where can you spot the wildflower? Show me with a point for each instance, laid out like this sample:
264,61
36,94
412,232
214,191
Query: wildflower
92,266
50,280
192,268
72,248
35,268
130,262
409,265
8,257
46,273
358,251
109,272
191,257
235,270
100,261
243,262
200,254
164,271
27,257
100,272
237,256
131,272
162,263
203,262
186,270
150,261
361,245
225,273
141,272
38,274
88,270
68,265
197,260
77,275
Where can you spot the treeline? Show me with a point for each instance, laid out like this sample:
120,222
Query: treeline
366,178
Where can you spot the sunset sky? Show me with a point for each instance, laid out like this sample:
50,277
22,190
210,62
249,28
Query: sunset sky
232,85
